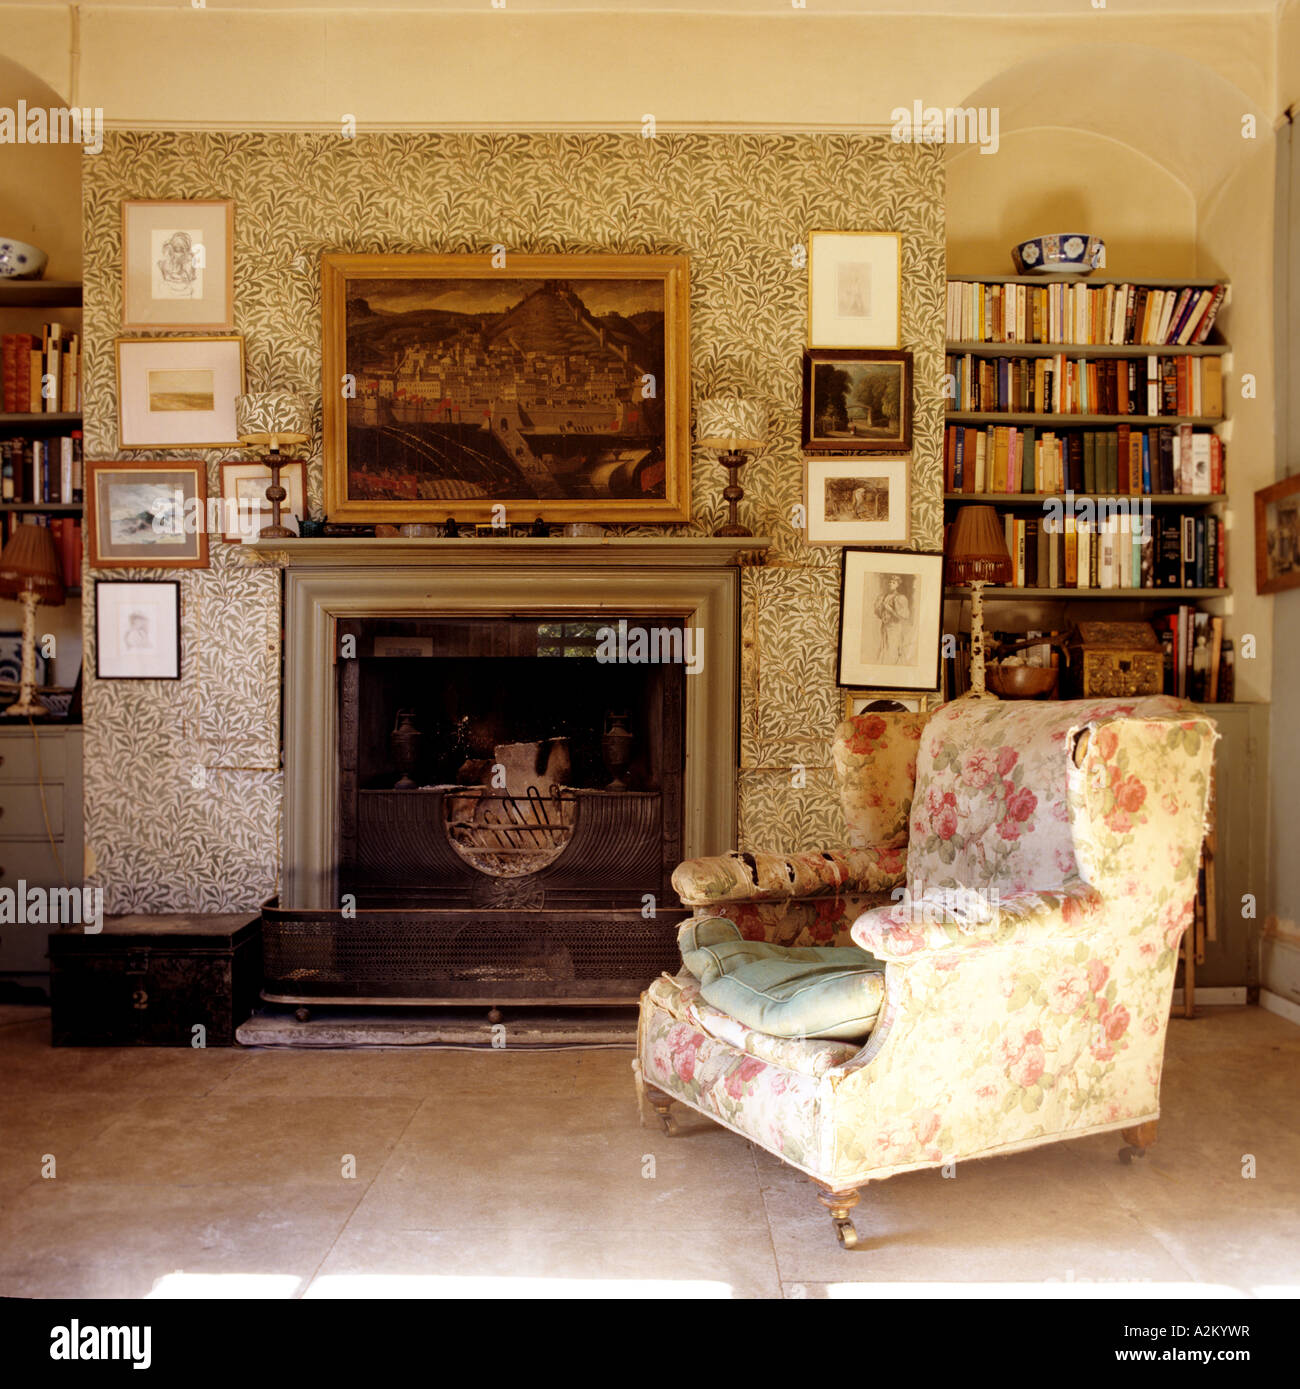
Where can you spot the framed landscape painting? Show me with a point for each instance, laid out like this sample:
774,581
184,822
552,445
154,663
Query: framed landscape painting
856,501
178,393
857,401
550,385
146,514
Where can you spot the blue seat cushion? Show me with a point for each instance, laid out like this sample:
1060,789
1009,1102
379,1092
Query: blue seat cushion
822,992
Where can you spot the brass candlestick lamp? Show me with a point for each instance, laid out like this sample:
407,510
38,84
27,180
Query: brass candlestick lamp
271,420
29,571
977,555
734,428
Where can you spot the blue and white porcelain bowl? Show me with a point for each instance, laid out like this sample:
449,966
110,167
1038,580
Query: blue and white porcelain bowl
19,261
1063,253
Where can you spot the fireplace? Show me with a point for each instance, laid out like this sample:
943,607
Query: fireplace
496,752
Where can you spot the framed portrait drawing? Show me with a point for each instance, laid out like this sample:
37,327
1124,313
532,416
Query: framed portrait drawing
244,507
855,289
137,629
856,501
146,514
178,393
1277,536
551,385
857,401
891,605
178,264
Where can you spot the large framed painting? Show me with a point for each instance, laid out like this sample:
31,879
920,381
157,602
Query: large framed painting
548,385
1277,536
891,607
857,401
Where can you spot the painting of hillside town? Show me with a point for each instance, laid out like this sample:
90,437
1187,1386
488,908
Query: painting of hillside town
470,391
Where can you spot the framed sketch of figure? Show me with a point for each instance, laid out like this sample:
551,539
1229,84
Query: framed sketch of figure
891,606
178,264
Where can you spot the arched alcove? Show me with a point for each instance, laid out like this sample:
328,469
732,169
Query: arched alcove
40,185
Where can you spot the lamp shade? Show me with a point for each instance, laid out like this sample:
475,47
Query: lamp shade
729,423
271,418
976,548
30,564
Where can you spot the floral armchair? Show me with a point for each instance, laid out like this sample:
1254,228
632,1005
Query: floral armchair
1024,873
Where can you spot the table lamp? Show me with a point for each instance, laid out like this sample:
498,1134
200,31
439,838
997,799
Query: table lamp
977,555
29,571
269,420
733,427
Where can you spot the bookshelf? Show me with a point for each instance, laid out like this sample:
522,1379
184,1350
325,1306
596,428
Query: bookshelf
1084,354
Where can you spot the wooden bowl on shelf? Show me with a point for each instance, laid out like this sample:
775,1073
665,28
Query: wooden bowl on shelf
1021,682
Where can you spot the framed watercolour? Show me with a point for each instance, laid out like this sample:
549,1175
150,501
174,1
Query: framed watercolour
144,514
178,393
855,289
891,604
137,629
884,702
178,264
553,385
856,501
857,401
1277,536
244,507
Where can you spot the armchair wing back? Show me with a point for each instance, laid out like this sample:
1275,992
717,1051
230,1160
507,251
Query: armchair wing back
874,756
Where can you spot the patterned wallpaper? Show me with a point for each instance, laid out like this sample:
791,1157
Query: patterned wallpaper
182,779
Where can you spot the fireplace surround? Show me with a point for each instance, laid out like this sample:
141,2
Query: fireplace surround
401,888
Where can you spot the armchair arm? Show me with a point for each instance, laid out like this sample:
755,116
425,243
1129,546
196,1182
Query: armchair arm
703,882
943,923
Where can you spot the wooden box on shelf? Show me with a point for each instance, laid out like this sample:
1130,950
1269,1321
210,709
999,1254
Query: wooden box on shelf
1116,660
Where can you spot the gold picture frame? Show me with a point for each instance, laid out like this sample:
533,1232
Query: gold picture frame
178,393
1277,536
470,406
855,289
178,264
913,701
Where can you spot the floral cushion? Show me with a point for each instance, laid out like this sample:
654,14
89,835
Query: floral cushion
875,765
990,804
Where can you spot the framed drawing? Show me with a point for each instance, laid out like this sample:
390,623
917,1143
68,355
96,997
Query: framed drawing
137,629
856,501
857,401
855,289
146,514
244,507
178,393
1277,536
891,605
178,264
555,385
884,702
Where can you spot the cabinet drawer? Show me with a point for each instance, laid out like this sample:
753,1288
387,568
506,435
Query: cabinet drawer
18,758
21,815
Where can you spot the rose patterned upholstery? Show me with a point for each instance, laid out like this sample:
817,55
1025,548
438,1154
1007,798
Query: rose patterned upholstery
1030,953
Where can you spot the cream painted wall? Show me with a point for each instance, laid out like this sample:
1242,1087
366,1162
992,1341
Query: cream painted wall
1055,179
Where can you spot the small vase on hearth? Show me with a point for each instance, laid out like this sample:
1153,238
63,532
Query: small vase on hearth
616,749
404,741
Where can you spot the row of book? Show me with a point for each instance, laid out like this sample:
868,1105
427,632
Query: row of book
1057,385
67,534
1199,661
1001,459
1110,315
42,375
42,470
1116,551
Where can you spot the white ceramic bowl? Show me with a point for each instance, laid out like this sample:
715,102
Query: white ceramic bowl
20,261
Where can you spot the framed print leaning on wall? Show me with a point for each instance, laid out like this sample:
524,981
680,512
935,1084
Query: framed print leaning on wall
178,261
891,608
550,385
